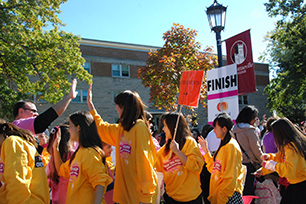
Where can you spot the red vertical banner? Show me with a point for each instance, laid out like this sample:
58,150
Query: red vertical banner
190,87
239,51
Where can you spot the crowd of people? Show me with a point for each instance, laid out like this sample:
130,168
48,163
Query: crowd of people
224,163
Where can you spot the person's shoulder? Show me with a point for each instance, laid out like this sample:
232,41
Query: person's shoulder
12,139
89,152
233,144
140,122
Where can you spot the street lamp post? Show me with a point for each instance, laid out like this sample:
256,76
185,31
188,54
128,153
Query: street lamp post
216,18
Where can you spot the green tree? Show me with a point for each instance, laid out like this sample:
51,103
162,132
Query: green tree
164,67
286,53
36,56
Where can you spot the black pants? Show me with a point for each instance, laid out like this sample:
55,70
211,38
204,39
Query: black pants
295,193
205,181
249,188
169,200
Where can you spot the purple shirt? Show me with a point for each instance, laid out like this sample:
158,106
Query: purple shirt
269,143
26,124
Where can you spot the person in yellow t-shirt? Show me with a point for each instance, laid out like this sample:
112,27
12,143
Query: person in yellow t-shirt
86,169
22,172
136,180
180,161
289,161
226,181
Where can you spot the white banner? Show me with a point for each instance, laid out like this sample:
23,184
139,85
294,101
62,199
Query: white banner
222,92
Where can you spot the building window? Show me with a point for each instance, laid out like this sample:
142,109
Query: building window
81,97
243,100
87,67
120,70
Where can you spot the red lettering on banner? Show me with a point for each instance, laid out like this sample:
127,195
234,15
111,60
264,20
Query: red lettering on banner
1,168
172,164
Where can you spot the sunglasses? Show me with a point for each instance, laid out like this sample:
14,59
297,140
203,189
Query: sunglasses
32,110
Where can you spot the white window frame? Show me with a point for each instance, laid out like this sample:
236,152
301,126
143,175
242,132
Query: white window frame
120,70
81,94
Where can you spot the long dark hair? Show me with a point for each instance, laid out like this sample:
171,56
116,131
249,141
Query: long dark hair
182,132
247,114
133,109
285,133
9,129
65,149
88,136
224,120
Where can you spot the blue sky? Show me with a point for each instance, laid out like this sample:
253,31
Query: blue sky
144,22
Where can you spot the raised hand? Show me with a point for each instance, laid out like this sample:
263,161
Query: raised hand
203,144
73,93
57,140
89,99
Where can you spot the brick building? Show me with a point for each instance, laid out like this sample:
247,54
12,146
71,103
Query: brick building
114,67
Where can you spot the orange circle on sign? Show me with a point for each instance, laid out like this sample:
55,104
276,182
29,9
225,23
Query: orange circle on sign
222,106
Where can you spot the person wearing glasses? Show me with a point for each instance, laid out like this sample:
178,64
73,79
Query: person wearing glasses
27,117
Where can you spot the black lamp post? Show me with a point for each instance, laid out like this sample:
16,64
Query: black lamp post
216,17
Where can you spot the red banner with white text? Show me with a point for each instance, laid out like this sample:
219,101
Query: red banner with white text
239,51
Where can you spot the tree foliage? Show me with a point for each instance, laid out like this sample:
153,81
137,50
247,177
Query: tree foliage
36,56
286,53
164,67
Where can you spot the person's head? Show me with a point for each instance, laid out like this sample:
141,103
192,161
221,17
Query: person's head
42,138
64,145
107,148
65,149
269,122
247,115
206,129
195,133
9,129
24,109
285,133
130,108
222,127
82,129
183,131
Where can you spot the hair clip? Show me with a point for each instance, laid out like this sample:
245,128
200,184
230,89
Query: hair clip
53,131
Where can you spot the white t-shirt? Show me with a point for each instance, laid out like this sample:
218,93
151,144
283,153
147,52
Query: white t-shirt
212,141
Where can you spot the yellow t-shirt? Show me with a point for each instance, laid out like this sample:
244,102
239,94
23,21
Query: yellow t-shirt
136,179
22,172
182,183
291,166
226,172
85,173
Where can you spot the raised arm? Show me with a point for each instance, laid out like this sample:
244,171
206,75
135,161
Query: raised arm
61,106
89,99
57,157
